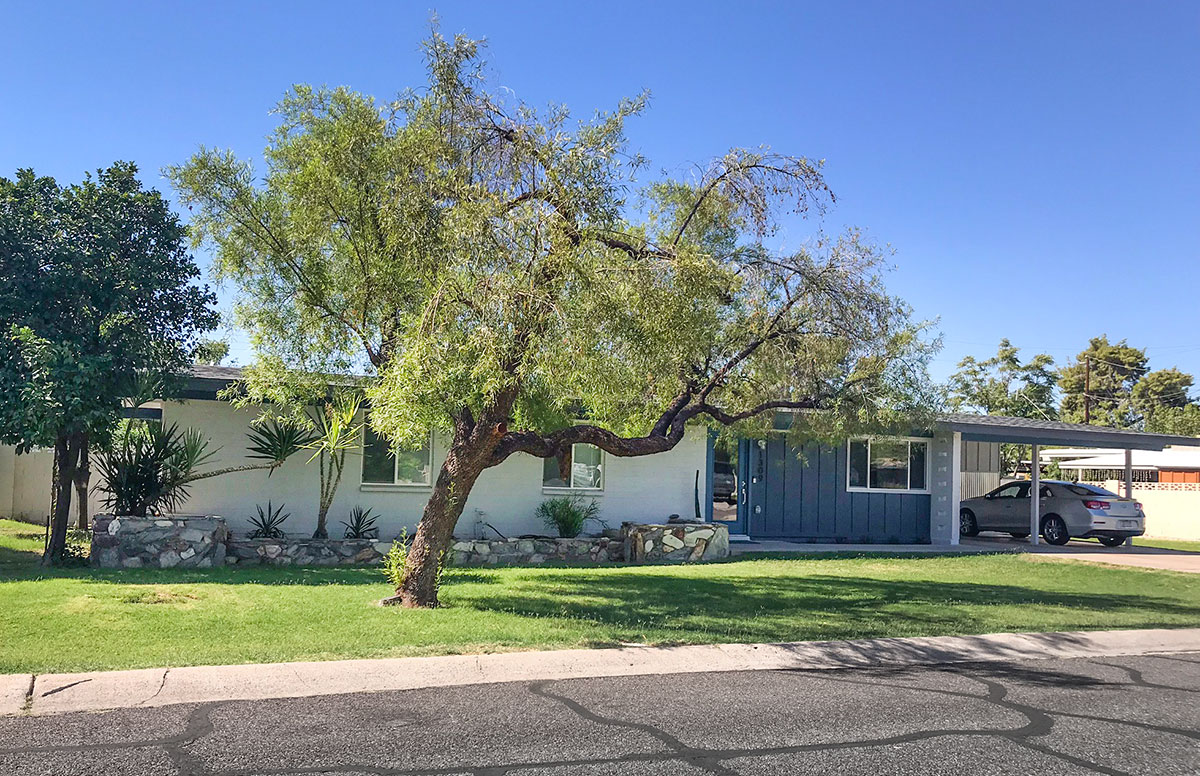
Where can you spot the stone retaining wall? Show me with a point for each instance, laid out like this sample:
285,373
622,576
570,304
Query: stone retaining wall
295,551
189,541
679,542
600,549
674,542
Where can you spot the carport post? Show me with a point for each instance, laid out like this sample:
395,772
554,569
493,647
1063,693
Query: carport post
1035,504
1128,485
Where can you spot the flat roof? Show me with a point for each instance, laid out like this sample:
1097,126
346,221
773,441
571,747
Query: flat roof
1029,431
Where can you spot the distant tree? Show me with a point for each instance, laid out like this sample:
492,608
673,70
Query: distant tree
483,263
211,352
1098,386
1003,385
97,295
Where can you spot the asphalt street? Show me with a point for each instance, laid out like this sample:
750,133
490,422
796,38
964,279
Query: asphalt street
1113,715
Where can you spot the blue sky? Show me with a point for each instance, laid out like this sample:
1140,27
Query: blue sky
1035,166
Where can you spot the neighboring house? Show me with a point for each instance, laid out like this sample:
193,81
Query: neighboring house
879,490
1167,482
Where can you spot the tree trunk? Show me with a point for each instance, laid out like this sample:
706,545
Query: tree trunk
66,456
82,476
466,460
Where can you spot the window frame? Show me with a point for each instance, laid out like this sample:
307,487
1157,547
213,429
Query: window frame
571,488
927,441
394,485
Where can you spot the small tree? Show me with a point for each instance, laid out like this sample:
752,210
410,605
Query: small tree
96,292
499,271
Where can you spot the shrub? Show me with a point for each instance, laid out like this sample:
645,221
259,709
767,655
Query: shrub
397,556
361,524
567,514
268,524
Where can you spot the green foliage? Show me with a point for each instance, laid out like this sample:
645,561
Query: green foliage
469,251
396,559
276,440
148,466
1115,368
567,514
268,524
1003,385
361,524
76,322
211,352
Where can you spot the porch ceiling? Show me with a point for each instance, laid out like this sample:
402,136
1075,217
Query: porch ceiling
1026,431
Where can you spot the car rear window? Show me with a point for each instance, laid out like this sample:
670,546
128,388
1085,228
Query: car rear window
1080,489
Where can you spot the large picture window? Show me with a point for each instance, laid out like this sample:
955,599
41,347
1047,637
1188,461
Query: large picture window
385,465
579,468
888,465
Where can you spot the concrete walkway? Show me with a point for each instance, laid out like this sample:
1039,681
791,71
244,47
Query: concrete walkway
60,693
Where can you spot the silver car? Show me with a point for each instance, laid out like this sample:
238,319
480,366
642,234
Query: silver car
1069,510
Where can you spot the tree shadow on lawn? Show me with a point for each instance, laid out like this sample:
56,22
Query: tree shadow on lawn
772,609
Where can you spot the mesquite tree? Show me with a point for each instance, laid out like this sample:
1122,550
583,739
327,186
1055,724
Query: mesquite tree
97,296
502,274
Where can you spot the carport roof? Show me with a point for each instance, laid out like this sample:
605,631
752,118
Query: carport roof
1028,431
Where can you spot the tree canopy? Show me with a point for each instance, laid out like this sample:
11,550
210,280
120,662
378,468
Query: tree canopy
97,294
503,273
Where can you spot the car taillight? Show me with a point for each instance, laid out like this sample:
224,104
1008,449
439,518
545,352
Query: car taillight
1096,504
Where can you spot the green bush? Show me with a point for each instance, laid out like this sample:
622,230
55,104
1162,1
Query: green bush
567,514
396,558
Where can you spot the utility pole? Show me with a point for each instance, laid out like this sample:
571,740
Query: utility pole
1087,389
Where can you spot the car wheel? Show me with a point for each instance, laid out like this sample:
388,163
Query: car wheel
967,526
1054,531
1019,534
1112,541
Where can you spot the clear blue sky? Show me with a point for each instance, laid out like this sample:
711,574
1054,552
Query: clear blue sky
1035,165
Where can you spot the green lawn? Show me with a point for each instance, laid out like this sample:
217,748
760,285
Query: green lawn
1168,544
80,619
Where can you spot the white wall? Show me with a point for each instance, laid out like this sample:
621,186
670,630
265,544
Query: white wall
648,488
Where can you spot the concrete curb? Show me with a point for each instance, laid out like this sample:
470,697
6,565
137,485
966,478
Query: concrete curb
14,691
61,693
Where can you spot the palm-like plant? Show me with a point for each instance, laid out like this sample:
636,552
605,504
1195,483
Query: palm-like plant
337,430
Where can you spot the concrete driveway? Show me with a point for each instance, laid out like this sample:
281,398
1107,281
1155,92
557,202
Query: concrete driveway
1112,715
1094,552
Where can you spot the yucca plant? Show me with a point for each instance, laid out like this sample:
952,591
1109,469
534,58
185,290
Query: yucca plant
361,524
148,467
268,524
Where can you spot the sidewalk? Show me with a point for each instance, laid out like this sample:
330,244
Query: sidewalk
60,693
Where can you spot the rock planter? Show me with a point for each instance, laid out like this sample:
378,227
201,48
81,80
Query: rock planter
296,551
536,550
677,542
183,541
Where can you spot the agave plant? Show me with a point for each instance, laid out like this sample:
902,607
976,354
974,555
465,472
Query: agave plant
361,524
268,524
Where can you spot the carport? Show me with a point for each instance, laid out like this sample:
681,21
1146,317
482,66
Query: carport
1036,433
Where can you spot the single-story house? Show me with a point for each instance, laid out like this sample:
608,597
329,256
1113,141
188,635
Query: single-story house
869,490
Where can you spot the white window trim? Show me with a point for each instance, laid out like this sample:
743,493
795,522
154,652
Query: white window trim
563,489
898,491
394,485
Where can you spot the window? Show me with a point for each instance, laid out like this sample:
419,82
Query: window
888,464
581,468
384,465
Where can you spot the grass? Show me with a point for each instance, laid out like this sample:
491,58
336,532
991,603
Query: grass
1168,544
83,619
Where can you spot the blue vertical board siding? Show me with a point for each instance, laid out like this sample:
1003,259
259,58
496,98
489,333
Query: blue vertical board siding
805,497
